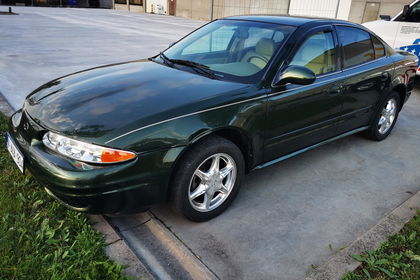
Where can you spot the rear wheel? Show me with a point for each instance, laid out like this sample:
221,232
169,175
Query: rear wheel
207,179
385,118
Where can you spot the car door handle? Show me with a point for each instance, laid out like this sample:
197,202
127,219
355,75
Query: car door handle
338,89
384,76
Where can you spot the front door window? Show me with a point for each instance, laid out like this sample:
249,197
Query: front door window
317,53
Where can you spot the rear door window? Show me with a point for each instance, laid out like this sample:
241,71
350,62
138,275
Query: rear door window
356,45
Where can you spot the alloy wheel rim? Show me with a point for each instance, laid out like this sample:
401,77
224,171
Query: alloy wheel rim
388,116
212,182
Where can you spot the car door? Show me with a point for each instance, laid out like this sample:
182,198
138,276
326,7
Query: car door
303,115
367,70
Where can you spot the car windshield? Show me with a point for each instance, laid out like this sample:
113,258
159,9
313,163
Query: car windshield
229,49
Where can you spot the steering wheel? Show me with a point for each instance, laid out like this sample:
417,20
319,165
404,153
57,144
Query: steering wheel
265,60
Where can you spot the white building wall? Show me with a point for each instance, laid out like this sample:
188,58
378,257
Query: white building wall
224,8
314,8
276,7
387,7
344,9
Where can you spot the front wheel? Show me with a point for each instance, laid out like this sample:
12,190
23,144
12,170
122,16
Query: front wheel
385,119
207,179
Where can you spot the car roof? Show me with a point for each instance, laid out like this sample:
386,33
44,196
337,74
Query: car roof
289,20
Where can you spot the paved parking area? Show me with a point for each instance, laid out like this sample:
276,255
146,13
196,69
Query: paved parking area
41,44
287,217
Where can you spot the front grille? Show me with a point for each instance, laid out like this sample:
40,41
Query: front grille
29,129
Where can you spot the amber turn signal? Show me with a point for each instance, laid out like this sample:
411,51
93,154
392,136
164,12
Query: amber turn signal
116,156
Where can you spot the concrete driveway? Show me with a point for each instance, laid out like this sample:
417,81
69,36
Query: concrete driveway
287,217
41,44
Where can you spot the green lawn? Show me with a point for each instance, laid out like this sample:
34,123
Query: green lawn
41,239
398,258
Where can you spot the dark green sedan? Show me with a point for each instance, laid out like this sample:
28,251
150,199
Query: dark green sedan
184,127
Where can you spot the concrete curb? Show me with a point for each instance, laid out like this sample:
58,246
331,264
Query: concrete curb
162,253
5,107
342,262
118,251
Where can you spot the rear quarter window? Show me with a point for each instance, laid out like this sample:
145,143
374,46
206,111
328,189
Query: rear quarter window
378,46
356,45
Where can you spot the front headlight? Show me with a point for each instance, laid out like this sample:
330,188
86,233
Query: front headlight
83,151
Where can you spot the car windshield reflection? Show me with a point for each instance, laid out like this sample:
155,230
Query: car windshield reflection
232,49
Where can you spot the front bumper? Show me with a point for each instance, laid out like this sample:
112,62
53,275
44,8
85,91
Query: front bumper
100,189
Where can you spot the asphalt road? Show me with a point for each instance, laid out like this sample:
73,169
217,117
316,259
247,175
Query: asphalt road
287,217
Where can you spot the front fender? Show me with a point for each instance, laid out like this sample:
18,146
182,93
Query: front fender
247,116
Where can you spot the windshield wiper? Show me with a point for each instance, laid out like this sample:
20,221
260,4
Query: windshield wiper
166,59
195,65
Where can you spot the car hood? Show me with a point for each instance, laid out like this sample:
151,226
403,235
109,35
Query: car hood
107,101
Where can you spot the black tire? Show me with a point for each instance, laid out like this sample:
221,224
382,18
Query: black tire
373,132
184,177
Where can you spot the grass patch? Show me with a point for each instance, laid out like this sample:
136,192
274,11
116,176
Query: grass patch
41,239
397,258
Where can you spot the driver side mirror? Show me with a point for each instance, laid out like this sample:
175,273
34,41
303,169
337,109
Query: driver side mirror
294,74
385,17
